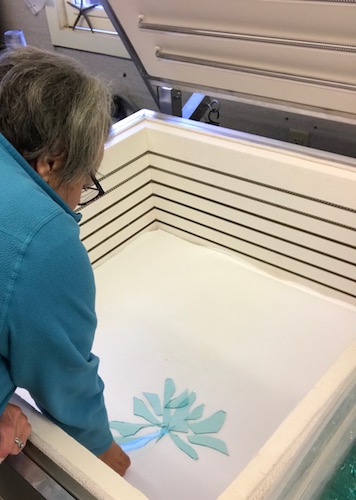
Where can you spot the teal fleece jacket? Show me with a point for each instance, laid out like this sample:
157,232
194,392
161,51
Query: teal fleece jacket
47,305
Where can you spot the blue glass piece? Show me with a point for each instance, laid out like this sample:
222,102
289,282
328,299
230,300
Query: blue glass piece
196,413
179,401
155,402
139,442
182,400
182,445
141,410
209,441
169,389
178,420
124,439
210,424
166,417
127,429
175,415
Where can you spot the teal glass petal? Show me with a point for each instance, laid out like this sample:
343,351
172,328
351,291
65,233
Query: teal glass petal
125,428
122,440
210,424
182,445
182,400
196,413
179,401
169,389
176,416
166,417
155,402
178,421
139,442
209,441
141,410
192,398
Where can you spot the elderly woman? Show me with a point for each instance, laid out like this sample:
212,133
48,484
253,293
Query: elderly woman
54,120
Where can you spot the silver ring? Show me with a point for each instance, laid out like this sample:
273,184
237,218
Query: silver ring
19,443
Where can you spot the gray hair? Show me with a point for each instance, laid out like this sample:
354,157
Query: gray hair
49,106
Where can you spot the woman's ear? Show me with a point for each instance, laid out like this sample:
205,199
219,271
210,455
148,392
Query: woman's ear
49,168
43,167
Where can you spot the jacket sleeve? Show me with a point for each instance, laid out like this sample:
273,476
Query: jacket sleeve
51,330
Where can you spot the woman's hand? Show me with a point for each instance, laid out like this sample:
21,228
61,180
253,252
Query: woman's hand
14,431
115,458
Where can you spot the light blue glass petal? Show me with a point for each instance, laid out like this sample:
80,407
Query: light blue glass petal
139,442
209,441
192,398
125,428
184,446
141,410
163,432
155,402
210,424
166,417
169,389
178,421
179,417
120,439
180,401
196,413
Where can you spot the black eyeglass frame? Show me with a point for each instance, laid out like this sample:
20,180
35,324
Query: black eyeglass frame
98,188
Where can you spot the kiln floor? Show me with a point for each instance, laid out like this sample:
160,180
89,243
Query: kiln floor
245,342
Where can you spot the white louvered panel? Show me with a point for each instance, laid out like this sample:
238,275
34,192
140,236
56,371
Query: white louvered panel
106,249
267,260
254,222
115,223
130,140
223,190
122,194
288,168
291,213
269,195
261,240
124,173
281,215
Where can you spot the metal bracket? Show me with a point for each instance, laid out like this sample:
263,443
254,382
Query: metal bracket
196,106
170,101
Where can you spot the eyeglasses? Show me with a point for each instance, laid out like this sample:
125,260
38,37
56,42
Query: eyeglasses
91,193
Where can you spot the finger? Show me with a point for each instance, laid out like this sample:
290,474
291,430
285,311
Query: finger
13,440
10,448
20,439
116,458
7,444
23,429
